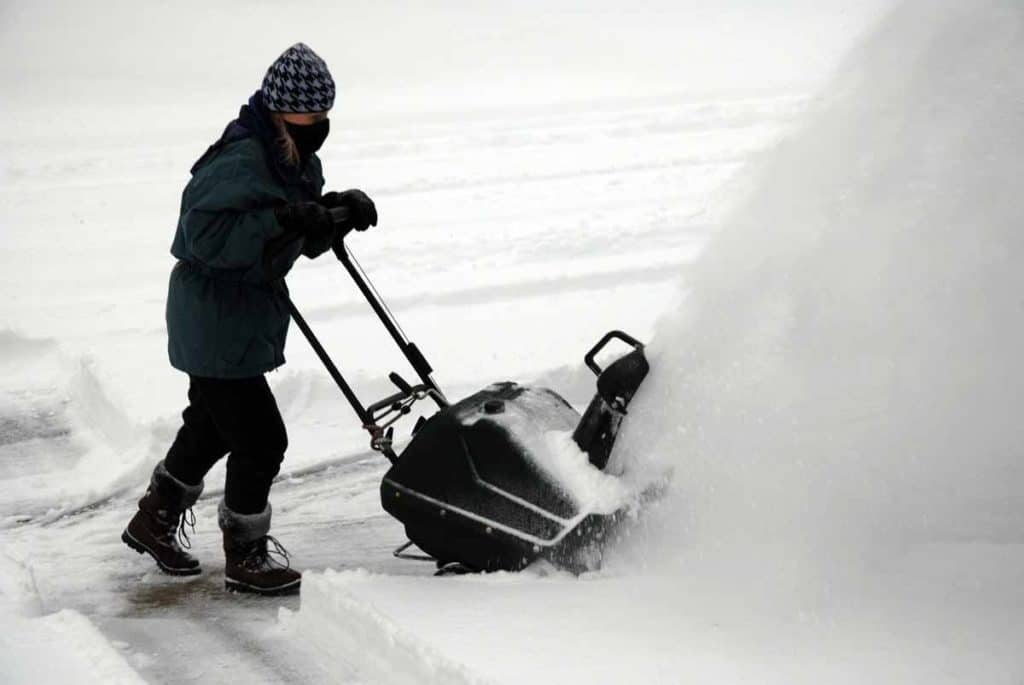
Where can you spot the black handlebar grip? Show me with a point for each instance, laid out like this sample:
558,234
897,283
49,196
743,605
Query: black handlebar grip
588,358
400,383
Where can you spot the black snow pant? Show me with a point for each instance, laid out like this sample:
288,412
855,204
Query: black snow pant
238,417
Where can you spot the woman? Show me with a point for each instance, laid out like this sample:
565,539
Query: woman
252,207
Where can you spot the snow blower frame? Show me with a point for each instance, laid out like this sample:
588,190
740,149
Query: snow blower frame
469,492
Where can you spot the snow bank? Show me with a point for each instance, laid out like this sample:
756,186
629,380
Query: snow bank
60,648
63,443
63,647
928,617
352,636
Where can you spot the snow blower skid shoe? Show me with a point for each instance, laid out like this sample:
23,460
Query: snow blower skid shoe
477,487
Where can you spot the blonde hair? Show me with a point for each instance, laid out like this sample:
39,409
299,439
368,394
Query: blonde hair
289,151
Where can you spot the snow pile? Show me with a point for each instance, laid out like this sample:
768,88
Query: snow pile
63,647
354,638
655,628
508,628
542,424
63,443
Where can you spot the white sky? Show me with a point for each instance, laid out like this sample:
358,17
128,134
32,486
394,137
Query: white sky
426,55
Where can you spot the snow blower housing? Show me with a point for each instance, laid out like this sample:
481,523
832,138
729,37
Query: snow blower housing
467,487
469,491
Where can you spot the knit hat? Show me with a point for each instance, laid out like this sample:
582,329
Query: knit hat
298,81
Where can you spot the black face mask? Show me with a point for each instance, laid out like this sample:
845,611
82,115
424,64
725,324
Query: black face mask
309,137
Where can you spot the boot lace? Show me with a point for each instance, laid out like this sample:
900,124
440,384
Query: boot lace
176,533
268,551
188,518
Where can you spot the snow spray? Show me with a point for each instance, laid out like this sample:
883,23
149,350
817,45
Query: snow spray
842,373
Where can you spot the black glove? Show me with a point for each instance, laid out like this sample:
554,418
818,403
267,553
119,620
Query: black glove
363,213
310,220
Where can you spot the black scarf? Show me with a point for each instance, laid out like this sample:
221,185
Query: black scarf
254,120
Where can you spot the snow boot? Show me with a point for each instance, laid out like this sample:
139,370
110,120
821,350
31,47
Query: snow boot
159,524
255,561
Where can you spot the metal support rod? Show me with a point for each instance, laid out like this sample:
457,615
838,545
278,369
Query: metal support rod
409,349
380,438
346,390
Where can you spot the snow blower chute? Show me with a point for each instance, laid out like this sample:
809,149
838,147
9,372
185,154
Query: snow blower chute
468,490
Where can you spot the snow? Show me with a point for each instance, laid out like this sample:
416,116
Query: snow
85,656
345,623
542,426
631,626
58,418
63,646
834,373
844,368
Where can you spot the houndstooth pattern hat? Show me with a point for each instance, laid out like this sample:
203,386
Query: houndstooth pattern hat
298,81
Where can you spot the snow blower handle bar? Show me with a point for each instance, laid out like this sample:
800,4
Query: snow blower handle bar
412,353
399,404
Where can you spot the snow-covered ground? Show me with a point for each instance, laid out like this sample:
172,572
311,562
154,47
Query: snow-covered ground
507,245
833,377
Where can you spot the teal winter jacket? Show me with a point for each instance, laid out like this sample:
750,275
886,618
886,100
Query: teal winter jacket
227,313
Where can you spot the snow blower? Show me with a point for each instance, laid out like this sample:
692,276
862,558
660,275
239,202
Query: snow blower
470,493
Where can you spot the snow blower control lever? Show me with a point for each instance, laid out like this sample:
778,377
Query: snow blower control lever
377,417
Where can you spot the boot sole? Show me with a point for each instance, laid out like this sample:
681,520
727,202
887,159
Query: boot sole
232,585
129,540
